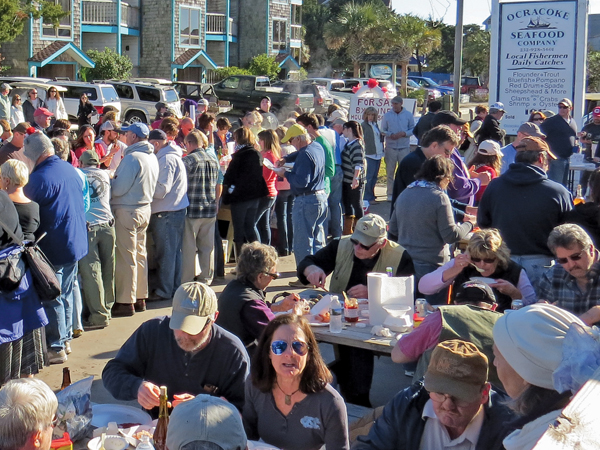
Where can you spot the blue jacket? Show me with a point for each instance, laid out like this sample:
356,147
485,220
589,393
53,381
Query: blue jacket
57,187
401,426
308,174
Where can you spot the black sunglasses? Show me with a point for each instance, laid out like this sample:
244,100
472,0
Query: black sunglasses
272,275
363,246
485,260
299,347
563,107
573,257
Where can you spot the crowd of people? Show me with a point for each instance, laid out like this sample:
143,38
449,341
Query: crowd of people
122,201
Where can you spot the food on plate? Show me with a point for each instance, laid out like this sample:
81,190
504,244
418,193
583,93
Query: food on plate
139,434
128,425
323,317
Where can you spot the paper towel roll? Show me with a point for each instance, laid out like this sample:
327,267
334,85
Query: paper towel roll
385,290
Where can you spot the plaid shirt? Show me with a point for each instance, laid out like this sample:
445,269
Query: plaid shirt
202,172
557,286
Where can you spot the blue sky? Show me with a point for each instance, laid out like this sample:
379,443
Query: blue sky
476,11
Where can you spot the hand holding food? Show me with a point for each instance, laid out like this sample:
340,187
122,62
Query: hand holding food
148,395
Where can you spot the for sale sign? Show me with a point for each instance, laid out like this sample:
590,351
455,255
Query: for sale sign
538,60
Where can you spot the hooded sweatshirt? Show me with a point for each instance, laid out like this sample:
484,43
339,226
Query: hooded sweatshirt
135,179
525,206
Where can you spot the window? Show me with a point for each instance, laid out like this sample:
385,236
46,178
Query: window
231,83
109,94
64,27
124,91
279,34
148,94
75,92
171,96
189,26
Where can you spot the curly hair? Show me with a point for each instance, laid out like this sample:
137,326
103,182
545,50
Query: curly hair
254,259
489,244
315,375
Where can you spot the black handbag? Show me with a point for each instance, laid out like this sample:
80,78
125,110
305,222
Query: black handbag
12,268
43,273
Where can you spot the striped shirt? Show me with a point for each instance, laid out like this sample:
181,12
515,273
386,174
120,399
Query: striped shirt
353,156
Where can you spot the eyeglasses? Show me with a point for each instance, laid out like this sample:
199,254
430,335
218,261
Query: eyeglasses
539,119
272,275
573,257
299,347
54,421
438,397
563,107
363,246
33,93
485,260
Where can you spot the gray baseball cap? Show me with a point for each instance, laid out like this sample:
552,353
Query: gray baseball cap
531,129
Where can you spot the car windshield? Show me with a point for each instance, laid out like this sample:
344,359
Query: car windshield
429,82
171,95
411,83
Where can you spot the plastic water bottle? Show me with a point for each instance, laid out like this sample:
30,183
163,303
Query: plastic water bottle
145,443
336,311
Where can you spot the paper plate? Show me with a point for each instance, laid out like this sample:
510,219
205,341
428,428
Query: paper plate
105,413
485,280
110,443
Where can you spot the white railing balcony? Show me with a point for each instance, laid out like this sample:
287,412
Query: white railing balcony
215,24
296,31
104,12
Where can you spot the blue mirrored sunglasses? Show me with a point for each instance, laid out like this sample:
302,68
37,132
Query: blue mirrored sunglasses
300,348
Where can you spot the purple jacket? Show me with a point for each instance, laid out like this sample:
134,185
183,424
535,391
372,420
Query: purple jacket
463,188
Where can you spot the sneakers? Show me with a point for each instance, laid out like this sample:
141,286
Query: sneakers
296,283
55,357
77,333
140,305
123,310
68,347
92,326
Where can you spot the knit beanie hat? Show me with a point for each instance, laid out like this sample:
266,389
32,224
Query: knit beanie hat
530,339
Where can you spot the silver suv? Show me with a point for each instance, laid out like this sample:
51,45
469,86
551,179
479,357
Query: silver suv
138,99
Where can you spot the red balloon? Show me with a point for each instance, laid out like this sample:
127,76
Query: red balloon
372,83
355,89
384,89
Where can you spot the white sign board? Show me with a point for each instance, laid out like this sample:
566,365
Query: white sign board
358,105
536,58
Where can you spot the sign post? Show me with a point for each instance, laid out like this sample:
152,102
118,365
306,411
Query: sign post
538,54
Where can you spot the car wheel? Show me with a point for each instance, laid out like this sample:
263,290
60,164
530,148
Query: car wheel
135,117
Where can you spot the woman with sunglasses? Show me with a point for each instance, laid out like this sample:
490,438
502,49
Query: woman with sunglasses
487,256
242,304
32,103
85,111
423,220
55,104
537,117
16,112
289,401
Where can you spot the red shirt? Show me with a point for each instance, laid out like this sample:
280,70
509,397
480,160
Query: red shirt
270,176
493,174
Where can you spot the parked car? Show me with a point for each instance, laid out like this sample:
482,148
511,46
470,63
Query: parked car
139,99
411,86
99,94
336,88
245,91
428,83
471,86
322,97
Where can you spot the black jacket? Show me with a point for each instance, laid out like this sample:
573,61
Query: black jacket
560,135
244,177
400,426
28,110
490,129
83,112
525,206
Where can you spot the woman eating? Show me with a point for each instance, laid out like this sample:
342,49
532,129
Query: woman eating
487,256
289,401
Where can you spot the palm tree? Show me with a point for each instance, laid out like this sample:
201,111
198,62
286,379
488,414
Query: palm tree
356,28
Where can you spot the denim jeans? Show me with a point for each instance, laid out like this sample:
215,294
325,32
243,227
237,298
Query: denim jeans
167,232
309,215
421,269
243,216
285,224
263,219
352,199
372,172
334,203
60,310
534,265
558,171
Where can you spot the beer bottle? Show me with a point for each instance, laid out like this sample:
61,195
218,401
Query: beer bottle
579,198
66,378
160,433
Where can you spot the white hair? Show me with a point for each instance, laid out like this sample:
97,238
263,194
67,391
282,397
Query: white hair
27,405
36,145
16,172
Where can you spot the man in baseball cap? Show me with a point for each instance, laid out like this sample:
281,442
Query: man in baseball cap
490,128
203,421
186,352
454,404
42,118
349,260
561,131
509,151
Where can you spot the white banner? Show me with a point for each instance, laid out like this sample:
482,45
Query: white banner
537,58
358,105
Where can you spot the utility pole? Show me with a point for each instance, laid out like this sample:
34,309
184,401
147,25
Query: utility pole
458,47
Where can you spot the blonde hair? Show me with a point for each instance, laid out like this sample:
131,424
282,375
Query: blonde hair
197,138
370,110
16,171
489,244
